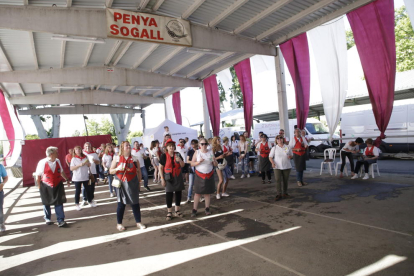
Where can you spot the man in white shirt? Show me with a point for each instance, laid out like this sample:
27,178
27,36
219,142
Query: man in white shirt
371,154
49,173
139,154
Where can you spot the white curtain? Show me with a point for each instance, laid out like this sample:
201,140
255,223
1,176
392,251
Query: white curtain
329,49
409,5
170,109
226,80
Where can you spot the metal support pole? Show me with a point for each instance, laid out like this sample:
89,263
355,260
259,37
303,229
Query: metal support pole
207,131
143,119
165,109
281,92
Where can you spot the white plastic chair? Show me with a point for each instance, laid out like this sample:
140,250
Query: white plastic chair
370,170
339,163
329,156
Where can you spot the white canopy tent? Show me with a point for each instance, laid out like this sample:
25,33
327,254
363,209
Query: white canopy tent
177,131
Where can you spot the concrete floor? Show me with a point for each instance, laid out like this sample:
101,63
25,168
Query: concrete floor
330,227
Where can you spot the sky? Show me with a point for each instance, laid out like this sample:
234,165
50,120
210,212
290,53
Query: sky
264,85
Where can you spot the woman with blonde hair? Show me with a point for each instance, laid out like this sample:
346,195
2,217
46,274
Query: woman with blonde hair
80,165
127,173
155,158
106,164
221,173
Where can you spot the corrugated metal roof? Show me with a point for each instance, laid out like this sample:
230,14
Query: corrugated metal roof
134,52
210,10
176,61
175,7
16,45
156,56
219,64
59,3
12,88
47,50
88,3
75,53
100,52
195,65
30,87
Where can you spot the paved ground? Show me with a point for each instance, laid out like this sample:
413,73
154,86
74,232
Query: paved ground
330,227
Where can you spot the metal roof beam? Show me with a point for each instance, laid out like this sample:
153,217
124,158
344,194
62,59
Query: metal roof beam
92,23
113,88
227,65
32,44
210,63
166,58
185,63
68,3
192,9
143,4
157,5
86,97
322,20
93,75
145,55
122,52
88,54
273,8
108,3
41,89
62,54
129,89
2,53
227,12
112,52
296,17
4,90
79,109
159,92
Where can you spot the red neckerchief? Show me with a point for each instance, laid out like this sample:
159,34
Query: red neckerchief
77,156
136,150
88,152
111,154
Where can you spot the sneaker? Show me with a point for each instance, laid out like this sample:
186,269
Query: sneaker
248,175
208,211
242,176
218,196
62,224
49,222
78,208
355,176
366,176
194,213
147,188
232,177
225,195
111,194
154,181
141,226
2,227
202,199
93,203
84,203
188,201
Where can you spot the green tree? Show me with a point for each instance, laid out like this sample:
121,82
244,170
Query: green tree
134,134
404,40
31,137
350,42
223,98
103,128
76,133
235,91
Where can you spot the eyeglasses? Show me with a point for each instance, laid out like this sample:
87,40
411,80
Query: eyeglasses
204,144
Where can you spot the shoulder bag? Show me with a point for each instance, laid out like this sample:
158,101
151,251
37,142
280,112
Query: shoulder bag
117,182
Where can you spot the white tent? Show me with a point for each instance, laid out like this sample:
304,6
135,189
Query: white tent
177,131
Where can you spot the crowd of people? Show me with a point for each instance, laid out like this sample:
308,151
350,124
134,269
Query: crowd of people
194,163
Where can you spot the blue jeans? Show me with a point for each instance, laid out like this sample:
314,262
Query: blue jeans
190,185
110,178
299,176
85,198
245,164
236,161
100,171
121,210
144,175
1,206
58,210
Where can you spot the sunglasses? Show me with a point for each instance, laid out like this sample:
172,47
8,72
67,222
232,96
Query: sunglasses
204,144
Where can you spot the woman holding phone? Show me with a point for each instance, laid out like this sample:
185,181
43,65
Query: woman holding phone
172,180
80,165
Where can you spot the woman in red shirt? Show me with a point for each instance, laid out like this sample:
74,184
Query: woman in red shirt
299,145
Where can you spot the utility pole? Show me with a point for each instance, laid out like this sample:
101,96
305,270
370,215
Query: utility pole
84,121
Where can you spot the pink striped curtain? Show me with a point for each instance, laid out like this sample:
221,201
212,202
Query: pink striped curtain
244,74
373,28
296,54
213,102
7,123
176,102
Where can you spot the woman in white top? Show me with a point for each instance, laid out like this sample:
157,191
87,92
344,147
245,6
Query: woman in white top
234,144
106,164
371,154
280,156
80,165
203,160
244,156
94,160
155,158
347,151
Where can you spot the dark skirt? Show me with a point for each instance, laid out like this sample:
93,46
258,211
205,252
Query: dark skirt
300,162
52,195
128,193
264,164
176,184
204,186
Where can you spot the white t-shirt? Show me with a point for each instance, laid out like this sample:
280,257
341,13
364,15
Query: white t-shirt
234,146
280,157
183,151
165,133
82,173
139,156
91,157
349,147
116,150
41,166
107,160
154,152
375,151
243,147
207,165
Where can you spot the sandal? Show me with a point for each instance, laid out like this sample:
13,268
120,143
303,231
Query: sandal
169,216
178,214
120,227
300,184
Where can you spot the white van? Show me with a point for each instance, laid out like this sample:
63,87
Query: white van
314,129
362,124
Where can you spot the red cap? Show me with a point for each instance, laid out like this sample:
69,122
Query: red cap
169,141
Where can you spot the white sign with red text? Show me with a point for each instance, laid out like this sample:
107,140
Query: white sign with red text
148,27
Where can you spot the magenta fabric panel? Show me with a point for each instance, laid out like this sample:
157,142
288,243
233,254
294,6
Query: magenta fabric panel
213,102
176,102
244,74
373,28
7,123
296,54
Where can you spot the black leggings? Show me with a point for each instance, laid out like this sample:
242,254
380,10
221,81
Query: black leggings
87,190
348,154
269,175
169,198
121,210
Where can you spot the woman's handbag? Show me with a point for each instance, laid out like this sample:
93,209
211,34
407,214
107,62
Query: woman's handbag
116,182
223,165
91,179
